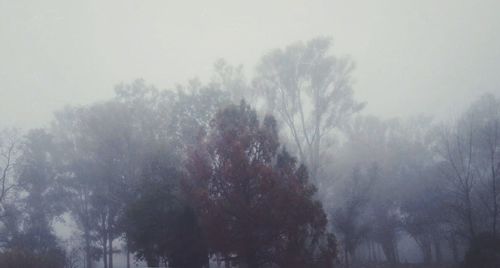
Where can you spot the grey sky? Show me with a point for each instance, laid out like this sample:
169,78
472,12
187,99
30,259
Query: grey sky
412,56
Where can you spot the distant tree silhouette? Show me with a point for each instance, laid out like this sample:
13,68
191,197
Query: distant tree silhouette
309,90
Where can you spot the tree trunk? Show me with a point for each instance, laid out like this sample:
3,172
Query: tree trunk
374,249
88,253
370,252
469,213
105,250
346,257
396,252
390,252
110,239
128,258
315,151
495,202
151,260
437,249
426,251
454,249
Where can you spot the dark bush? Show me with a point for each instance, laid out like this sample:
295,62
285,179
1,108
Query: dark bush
484,252
16,258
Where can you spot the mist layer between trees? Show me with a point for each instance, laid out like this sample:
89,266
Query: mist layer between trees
282,169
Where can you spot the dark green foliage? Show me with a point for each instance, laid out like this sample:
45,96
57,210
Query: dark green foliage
29,239
158,224
189,249
484,252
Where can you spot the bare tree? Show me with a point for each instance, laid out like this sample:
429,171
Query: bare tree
458,154
485,117
8,153
231,79
310,91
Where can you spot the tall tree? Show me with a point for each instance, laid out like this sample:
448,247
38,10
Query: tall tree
97,141
310,91
400,154
485,116
458,154
31,241
9,148
255,203
159,225
37,177
349,220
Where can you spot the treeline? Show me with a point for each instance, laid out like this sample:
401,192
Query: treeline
282,170
436,183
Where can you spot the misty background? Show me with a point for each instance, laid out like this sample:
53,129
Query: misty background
101,154
412,57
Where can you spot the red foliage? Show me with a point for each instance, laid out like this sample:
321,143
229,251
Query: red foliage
254,201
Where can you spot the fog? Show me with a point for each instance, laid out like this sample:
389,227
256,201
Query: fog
251,134
409,55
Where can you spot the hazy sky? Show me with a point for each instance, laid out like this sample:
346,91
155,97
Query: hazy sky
412,57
